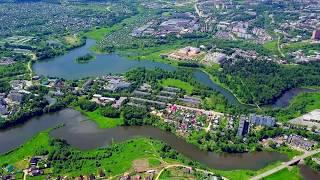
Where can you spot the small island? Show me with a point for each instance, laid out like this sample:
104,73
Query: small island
85,58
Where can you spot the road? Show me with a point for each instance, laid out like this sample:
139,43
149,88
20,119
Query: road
279,48
179,165
197,9
286,164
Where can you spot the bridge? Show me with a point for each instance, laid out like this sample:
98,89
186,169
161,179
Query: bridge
286,164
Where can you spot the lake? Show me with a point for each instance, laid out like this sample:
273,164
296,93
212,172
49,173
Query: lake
84,134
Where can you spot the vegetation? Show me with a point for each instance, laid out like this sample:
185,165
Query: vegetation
292,174
312,164
261,82
85,58
102,121
301,104
178,84
30,148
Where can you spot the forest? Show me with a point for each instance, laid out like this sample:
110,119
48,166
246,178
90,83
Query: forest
262,82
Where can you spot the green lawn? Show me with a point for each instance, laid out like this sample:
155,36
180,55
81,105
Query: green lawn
99,33
306,46
178,84
272,46
114,164
41,141
102,122
292,174
244,174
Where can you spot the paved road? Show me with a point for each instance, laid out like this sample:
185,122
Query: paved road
285,165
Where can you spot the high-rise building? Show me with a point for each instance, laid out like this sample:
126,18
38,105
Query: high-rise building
316,35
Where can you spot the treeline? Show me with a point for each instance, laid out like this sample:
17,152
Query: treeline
35,106
262,82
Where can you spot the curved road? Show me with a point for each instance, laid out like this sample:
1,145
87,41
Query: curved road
285,165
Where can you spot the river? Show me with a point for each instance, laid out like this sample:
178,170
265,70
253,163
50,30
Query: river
83,134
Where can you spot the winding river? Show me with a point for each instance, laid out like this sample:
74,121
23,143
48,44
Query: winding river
83,134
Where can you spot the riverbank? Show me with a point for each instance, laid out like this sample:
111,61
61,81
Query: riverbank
115,164
101,121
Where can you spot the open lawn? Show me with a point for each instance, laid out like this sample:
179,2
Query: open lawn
15,157
178,84
115,163
306,46
72,40
102,122
99,33
244,174
292,174
272,46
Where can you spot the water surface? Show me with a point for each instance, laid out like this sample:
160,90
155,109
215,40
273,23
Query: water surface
83,134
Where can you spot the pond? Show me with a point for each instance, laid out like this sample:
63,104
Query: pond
83,134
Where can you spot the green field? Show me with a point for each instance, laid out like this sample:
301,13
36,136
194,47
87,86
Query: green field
292,174
41,141
306,46
114,164
272,46
99,33
244,174
178,84
101,121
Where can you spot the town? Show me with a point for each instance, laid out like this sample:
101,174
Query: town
161,89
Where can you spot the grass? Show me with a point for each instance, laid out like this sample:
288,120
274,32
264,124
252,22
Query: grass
178,84
153,162
15,157
287,151
116,163
121,161
292,174
99,33
272,46
306,46
101,121
244,174
72,40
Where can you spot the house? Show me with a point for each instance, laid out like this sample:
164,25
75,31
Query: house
190,100
86,86
15,97
34,161
244,126
119,102
116,83
99,99
3,107
262,120
301,142
17,84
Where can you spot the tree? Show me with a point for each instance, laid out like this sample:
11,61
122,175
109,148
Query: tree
110,112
